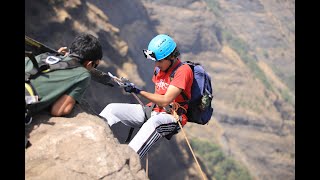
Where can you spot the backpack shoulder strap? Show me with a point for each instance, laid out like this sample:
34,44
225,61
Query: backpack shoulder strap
30,55
73,63
185,97
43,66
175,69
156,71
35,68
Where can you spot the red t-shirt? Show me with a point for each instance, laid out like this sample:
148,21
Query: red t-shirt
182,79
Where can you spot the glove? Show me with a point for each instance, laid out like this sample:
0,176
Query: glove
131,88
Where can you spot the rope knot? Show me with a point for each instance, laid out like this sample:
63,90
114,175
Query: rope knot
174,108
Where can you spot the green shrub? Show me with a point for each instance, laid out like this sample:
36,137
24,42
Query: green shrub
242,49
218,165
265,54
214,7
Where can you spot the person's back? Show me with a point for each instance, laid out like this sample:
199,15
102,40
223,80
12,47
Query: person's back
50,86
60,89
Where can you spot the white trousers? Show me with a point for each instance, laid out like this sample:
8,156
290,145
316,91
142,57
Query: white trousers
156,127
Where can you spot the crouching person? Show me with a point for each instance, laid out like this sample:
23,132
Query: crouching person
58,90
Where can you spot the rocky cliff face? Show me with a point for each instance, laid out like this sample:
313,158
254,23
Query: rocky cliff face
80,146
246,46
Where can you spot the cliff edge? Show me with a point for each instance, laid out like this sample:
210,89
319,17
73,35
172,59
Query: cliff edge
80,146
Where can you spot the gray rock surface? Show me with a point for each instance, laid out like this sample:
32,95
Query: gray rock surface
81,146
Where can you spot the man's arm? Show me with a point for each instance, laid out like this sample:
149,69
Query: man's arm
66,102
63,106
162,100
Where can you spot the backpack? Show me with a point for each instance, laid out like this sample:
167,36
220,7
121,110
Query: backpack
199,106
47,63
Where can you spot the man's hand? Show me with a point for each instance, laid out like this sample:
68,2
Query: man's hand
131,88
63,50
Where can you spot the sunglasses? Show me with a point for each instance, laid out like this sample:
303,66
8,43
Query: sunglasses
149,55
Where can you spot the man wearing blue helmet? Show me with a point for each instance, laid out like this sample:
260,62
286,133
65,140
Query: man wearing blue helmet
160,123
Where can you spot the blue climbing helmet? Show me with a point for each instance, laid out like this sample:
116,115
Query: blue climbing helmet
160,47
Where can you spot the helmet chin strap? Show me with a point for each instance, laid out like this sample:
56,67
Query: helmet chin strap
172,62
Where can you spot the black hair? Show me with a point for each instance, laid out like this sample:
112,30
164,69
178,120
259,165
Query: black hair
175,53
86,47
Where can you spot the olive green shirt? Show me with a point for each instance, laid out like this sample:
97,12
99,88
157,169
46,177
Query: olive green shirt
52,85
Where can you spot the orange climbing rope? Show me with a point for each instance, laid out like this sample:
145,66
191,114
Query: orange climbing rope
175,107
